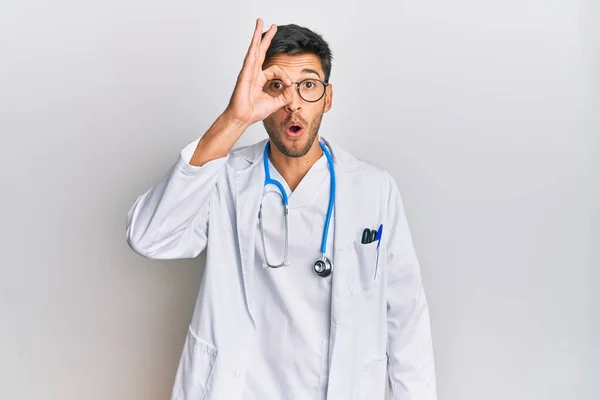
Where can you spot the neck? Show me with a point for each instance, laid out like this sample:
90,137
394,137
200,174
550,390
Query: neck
293,169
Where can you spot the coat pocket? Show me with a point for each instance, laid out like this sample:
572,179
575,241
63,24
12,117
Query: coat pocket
372,380
367,261
195,368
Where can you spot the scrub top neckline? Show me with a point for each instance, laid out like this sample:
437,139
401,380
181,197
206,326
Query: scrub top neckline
307,188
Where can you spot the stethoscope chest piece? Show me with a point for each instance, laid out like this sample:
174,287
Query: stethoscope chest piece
322,267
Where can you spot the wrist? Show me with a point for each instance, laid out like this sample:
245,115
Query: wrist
232,122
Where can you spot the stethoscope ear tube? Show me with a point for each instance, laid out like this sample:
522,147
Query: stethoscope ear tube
284,262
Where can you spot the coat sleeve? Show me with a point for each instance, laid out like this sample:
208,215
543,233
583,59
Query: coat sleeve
170,220
411,370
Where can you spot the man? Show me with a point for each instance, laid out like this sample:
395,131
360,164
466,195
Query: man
321,312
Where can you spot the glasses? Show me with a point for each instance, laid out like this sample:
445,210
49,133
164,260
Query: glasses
310,90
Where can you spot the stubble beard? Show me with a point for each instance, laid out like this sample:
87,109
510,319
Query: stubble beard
276,133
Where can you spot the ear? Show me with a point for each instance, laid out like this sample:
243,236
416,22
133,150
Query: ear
328,97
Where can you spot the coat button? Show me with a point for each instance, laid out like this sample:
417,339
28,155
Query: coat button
238,372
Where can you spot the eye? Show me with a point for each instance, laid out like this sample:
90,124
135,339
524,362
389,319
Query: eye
310,85
276,85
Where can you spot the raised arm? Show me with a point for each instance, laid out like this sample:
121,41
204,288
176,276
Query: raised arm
170,220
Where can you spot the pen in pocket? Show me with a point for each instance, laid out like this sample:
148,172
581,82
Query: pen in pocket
378,237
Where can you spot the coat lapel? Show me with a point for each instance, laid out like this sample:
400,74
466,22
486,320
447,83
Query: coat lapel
249,183
341,337
341,288
344,209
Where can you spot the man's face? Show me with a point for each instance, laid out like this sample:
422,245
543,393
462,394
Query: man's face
308,115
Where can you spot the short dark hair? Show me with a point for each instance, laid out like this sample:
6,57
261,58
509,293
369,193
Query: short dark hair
294,39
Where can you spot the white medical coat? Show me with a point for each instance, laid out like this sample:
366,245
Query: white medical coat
378,320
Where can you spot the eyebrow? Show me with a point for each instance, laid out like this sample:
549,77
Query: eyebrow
310,71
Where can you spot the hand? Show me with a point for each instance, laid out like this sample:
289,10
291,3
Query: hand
249,103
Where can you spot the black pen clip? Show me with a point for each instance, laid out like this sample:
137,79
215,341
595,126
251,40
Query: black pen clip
368,236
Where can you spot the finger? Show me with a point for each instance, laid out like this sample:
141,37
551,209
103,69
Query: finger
284,98
250,58
264,45
275,72
255,42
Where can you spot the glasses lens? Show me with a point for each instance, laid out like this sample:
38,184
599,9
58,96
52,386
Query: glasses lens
312,89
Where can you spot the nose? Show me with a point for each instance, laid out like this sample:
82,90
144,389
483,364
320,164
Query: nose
296,103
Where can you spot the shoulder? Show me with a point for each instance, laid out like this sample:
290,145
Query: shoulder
244,156
364,173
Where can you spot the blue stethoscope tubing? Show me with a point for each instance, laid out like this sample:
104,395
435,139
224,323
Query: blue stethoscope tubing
323,265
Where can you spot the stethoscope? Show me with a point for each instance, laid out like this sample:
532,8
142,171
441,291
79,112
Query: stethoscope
322,267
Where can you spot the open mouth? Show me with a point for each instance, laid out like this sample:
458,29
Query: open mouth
294,130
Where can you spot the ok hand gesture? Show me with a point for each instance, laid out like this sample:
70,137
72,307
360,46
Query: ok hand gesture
249,103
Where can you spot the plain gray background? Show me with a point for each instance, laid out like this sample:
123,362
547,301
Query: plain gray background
486,113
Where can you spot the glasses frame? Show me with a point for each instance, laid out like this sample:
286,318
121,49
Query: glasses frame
325,84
